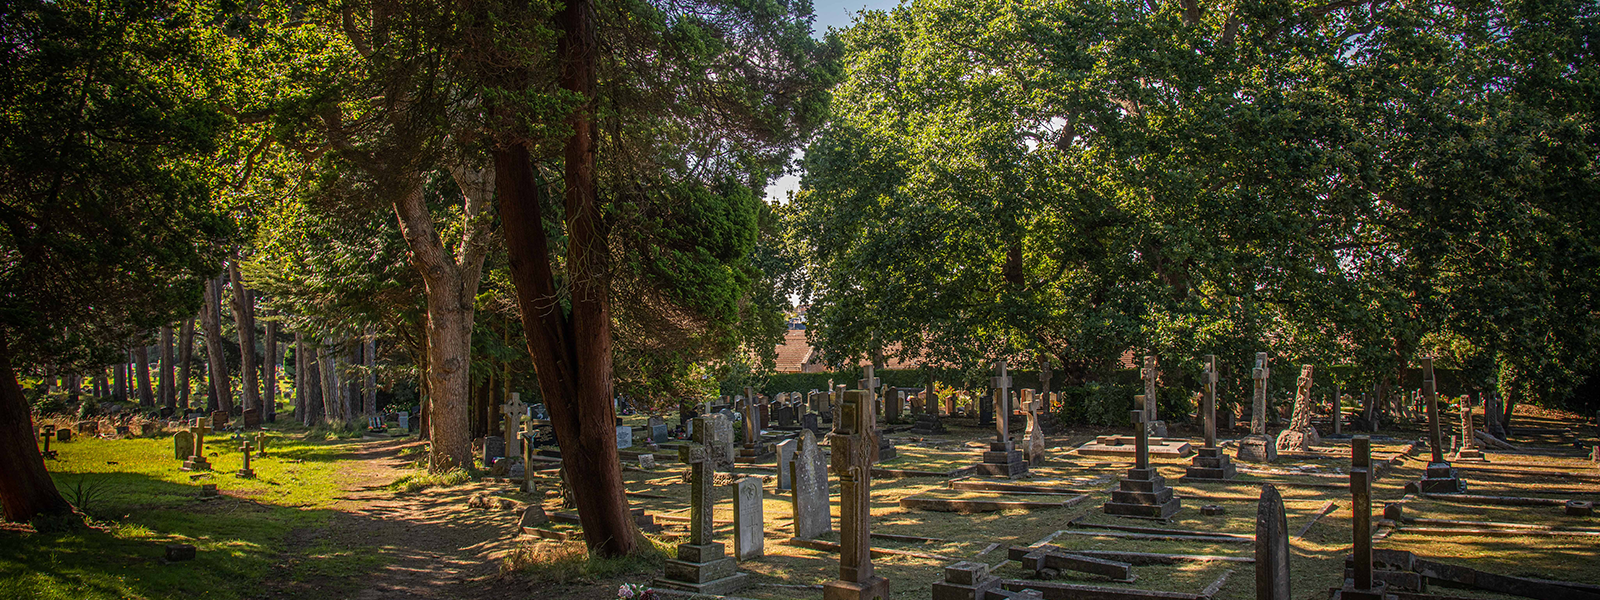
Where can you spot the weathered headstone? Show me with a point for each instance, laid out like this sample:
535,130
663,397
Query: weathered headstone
764,412
749,525
965,580
182,445
852,464
786,416
63,435
1143,492
785,454
197,461
1272,547
219,420
658,429
809,422
1034,445
869,384
1210,462
1440,477
250,419
494,447
892,404
88,427
1300,435
809,474
404,421
1149,374
624,436
1258,447
513,411
718,440
753,450
702,566
1469,447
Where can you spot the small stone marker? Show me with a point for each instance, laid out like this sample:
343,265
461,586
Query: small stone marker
182,445
88,427
245,471
1579,508
647,461
701,566
533,516
852,443
208,490
749,524
1257,447
624,437
1272,547
809,474
261,444
785,456
404,419
1143,492
494,447
965,580
1213,510
180,552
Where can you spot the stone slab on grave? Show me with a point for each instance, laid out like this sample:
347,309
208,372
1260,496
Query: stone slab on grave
965,580
1143,492
1038,559
1123,445
701,566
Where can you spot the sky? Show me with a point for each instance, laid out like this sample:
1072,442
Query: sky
836,14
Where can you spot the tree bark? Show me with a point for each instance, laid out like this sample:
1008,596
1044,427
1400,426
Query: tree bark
168,386
353,379
120,380
369,405
311,383
211,313
328,387
142,356
185,356
26,489
269,385
244,319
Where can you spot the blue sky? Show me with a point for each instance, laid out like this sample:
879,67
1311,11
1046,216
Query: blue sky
836,14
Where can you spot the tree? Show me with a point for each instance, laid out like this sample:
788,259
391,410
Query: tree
107,230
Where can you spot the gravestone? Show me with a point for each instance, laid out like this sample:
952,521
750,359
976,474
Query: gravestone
809,475
1034,446
928,423
966,580
182,445
1210,462
1300,435
647,461
494,447
1158,428
658,430
197,461
1492,409
1143,492
1440,477
219,420
1272,547
513,412
404,421
261,444
919,403
764,411
785,454
245,471
852,445
754,450
1469,447
250,418
749,525
1358,583
867,384
624,437
1257,447
786,416
719,441
892,402
809,422
1002,459
702,566
63,435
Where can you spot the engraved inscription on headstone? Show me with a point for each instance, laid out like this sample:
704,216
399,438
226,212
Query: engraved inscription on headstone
748,522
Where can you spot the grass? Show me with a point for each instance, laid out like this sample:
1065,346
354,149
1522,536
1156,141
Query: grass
570,562
139,501
417,482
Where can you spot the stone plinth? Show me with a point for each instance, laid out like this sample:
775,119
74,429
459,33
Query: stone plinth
1210,464
1257,449
702,569
965,581
874,588
1441,479
1003,460
1143,493
885,448
927,424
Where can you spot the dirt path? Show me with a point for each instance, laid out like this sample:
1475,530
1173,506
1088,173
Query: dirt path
431,543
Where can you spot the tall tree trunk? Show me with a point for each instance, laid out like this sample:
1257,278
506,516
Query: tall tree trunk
329,388
353,379
299,377
571,352
312,382
211,313
369,353
185,357
244,319
26,489
269,385
142,356
119,376
168,386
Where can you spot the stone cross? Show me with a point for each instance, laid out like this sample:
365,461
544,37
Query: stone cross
1141,438
1258,415
1466,423
200,430
514,410
1435,437
245,449
869,383
1208,401
1002,386
1044,376
1272,547
701,499
1361,509
852,442
1148,374
49,431
1035,439
752,419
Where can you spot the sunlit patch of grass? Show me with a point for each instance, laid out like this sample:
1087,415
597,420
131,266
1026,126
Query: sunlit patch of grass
417,482
568,562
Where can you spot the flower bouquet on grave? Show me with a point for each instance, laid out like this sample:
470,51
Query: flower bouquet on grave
636,591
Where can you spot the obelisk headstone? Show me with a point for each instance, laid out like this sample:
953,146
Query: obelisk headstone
1257,447
1149,374
809,473
1440,477
1272,547
701,566
1210,462
852,463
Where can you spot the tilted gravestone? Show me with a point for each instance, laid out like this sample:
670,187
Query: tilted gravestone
749,524
809,473
852,464
1272,547
702,565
